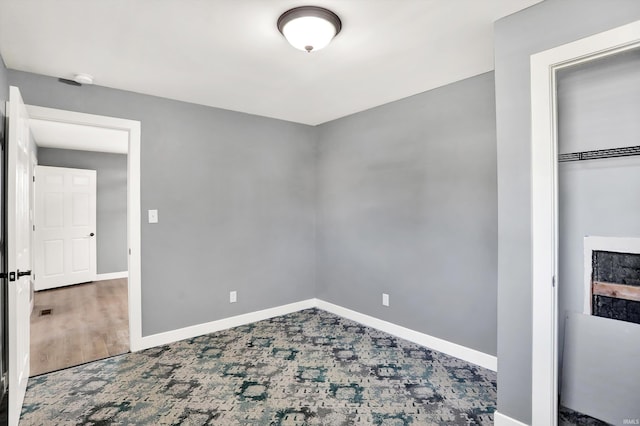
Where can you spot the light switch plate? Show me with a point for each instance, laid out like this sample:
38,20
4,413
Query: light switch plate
153,216
385,299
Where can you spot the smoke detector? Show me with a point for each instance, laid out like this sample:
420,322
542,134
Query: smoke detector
83,78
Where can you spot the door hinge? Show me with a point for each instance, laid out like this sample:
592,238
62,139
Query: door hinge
129,252
34,178
553,281
34,227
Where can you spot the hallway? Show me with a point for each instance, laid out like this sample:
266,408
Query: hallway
78,324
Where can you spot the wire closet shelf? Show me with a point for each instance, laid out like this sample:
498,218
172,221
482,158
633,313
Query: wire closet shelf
600,153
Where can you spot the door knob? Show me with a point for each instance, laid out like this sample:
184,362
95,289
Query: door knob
23,273
91,234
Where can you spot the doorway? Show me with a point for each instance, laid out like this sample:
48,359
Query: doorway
110,135
545,221
80,309
598,206
18,186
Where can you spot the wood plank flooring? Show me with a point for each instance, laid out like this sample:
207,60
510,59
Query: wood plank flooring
87,322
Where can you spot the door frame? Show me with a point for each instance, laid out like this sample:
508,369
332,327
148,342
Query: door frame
544,202
132,127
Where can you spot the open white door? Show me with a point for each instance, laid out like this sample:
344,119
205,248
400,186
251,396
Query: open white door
18,251
65,226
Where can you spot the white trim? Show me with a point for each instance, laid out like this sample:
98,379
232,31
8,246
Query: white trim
132,128
614,244
544,242
470,355
500,419
73,117
134,236
467,354
222,324
112,276
544,213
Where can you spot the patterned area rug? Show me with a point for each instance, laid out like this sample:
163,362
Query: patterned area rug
306,368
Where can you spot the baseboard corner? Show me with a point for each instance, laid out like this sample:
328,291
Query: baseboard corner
453,349
171,336
112,276
458,351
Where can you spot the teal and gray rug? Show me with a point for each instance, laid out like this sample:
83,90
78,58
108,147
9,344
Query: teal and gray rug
306,368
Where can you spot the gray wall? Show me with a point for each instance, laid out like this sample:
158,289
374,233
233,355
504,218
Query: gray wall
111,202
543,26
599,103
236,201
4,89
407,206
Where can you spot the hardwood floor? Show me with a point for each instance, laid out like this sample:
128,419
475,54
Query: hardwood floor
87,322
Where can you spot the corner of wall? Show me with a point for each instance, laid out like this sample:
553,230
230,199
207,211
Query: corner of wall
316,137
4,96
4,90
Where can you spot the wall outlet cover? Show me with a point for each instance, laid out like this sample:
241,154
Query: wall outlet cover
385,299
153,216
233,296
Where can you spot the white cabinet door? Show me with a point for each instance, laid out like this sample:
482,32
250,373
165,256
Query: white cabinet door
65,226
18,251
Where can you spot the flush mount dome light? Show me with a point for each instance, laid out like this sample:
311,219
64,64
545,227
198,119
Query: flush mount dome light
309,28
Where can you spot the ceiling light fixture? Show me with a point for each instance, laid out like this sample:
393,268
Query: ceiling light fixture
309,28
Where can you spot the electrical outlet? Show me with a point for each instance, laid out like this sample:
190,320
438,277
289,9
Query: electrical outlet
385,299
153,216
233,296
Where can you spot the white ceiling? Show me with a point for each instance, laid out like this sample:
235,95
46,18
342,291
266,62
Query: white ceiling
229,53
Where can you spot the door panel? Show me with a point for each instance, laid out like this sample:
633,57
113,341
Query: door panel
53,210
80,255
65,226
54,258
80,210
18,250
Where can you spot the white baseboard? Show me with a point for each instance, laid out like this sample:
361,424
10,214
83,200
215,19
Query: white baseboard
223,324
470,355
112,276
500,419
467,354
